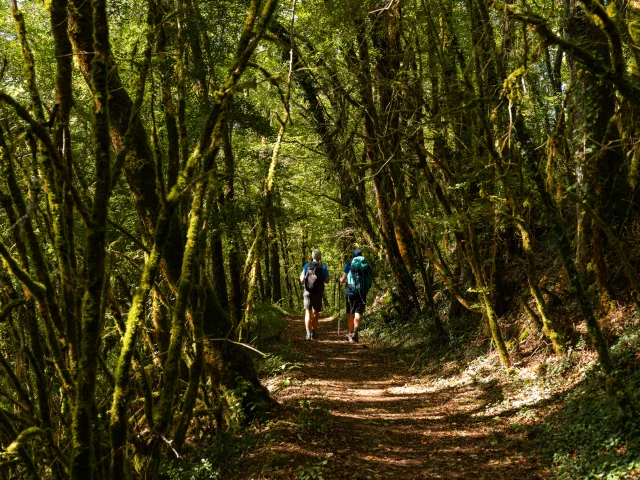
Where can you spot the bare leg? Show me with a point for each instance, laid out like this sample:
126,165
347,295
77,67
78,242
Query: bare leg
350,321
356,321
307,319
314,322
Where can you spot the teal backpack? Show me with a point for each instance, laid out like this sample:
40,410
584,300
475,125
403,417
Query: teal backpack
359,278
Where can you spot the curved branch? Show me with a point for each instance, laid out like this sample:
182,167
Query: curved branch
612,31
618,78
8,308
43,135
34,287
272,80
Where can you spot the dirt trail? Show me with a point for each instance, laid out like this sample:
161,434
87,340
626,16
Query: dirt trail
375,421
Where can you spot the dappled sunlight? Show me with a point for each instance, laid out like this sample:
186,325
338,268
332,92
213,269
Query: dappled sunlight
353,409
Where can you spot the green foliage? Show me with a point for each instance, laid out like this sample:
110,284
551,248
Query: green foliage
413,341
451,79
244,403
590,437
313,416
312,471
271,321
196,471
273,366
212,459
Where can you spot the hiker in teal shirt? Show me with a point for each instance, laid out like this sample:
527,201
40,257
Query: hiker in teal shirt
357,286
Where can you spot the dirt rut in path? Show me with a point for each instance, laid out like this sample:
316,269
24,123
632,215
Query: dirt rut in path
353,413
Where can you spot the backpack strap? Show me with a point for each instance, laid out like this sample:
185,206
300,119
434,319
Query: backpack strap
307,270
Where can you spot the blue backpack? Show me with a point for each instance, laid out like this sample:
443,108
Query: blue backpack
359,278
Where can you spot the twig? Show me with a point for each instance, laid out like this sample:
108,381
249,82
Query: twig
383,9
237,343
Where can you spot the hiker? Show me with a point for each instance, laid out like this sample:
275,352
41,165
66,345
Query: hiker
314,275
358,277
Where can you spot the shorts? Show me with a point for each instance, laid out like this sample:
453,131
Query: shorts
356,304
313,301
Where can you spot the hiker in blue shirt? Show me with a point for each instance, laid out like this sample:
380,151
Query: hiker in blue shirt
314,275
358,277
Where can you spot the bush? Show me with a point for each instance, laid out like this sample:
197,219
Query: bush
313,416
590,437
211,461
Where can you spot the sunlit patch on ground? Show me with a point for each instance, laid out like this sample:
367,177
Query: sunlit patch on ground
352,413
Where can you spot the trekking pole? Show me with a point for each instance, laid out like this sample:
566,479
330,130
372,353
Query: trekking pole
339,310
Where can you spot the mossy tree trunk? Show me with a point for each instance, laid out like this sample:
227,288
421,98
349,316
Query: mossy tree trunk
83,455
549,327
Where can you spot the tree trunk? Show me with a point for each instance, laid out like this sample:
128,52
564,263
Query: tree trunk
274,257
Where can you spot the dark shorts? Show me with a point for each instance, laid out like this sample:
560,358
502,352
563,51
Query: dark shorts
313,301
356,304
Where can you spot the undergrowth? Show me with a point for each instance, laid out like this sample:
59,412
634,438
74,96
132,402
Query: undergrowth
270,322
410,339
559,404
313,416
279,352
215,458
588,436
212,459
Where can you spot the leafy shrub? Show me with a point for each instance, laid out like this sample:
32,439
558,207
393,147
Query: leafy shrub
313,416
271,320
312,472
272,365
244,404
590,437
196,471
212,459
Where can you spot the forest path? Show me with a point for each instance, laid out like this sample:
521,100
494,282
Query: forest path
352,412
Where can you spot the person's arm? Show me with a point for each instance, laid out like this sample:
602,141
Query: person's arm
304,270
343,277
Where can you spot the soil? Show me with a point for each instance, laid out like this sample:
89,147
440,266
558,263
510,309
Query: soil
352,412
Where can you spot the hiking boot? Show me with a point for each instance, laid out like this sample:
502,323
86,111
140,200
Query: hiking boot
350,337
354,337
314,335
307,337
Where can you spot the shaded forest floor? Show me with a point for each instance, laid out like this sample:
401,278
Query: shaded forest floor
353,411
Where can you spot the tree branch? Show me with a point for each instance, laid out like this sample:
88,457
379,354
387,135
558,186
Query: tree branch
620,79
